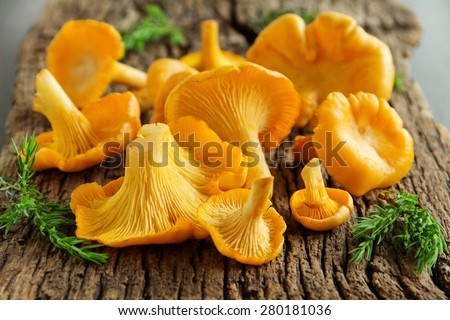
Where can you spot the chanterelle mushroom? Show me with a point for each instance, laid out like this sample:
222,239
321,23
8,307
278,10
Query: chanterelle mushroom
221,159
83,59
331,54
316,207
211,56
243,225
166,89
155,202
361,142
243,104
159,72
78,137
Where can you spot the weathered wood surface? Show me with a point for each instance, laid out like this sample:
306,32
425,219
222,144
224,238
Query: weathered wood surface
312,265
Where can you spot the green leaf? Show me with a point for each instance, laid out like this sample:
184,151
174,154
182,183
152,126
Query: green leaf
154,27
398,81
26,202
413,228
266,18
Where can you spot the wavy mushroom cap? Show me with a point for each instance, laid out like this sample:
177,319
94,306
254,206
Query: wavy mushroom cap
155,202
211,56
82,57
331,54
243,225
217,157
245,105
79,137
373,148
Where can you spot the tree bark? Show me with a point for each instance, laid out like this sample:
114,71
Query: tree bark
312,265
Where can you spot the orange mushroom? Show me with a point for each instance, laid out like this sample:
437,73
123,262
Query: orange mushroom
155,202
316,207
166,89
158,74
244,105
363,144
211,56
83,59
331,54
243,225
78,137
157,199
219,158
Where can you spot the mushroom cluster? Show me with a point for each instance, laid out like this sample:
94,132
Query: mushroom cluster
199,168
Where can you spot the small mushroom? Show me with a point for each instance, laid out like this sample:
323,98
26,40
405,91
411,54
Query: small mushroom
316,207
158,74
78,137
83,59
331,54
243,225
211,56
247,105
363,144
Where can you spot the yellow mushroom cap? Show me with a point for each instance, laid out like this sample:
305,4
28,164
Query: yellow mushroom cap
221,159
316,207
78,137
155,202
243,225
82,57
160,71
211,56
244,104
164,91
331,54
371,147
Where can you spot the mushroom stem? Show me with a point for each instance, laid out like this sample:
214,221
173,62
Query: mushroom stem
257,166
130,76
211,53
316,195
72,131
260,193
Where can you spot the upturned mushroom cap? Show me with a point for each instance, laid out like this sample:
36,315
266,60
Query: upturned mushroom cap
156,201
373,148
243,225
331,54
211,56
79,137
316,207
82,57
247,104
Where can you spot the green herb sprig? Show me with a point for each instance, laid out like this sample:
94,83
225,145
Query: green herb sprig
153,27
27,202
265,19
413,227
398,81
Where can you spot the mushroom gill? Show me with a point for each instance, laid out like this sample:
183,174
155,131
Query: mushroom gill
243,225
246,105
78,137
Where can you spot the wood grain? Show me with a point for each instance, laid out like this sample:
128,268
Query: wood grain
312,265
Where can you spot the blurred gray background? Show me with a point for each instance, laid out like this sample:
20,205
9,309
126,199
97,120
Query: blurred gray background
430,63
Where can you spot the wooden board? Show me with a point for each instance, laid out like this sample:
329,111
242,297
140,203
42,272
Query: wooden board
312,265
